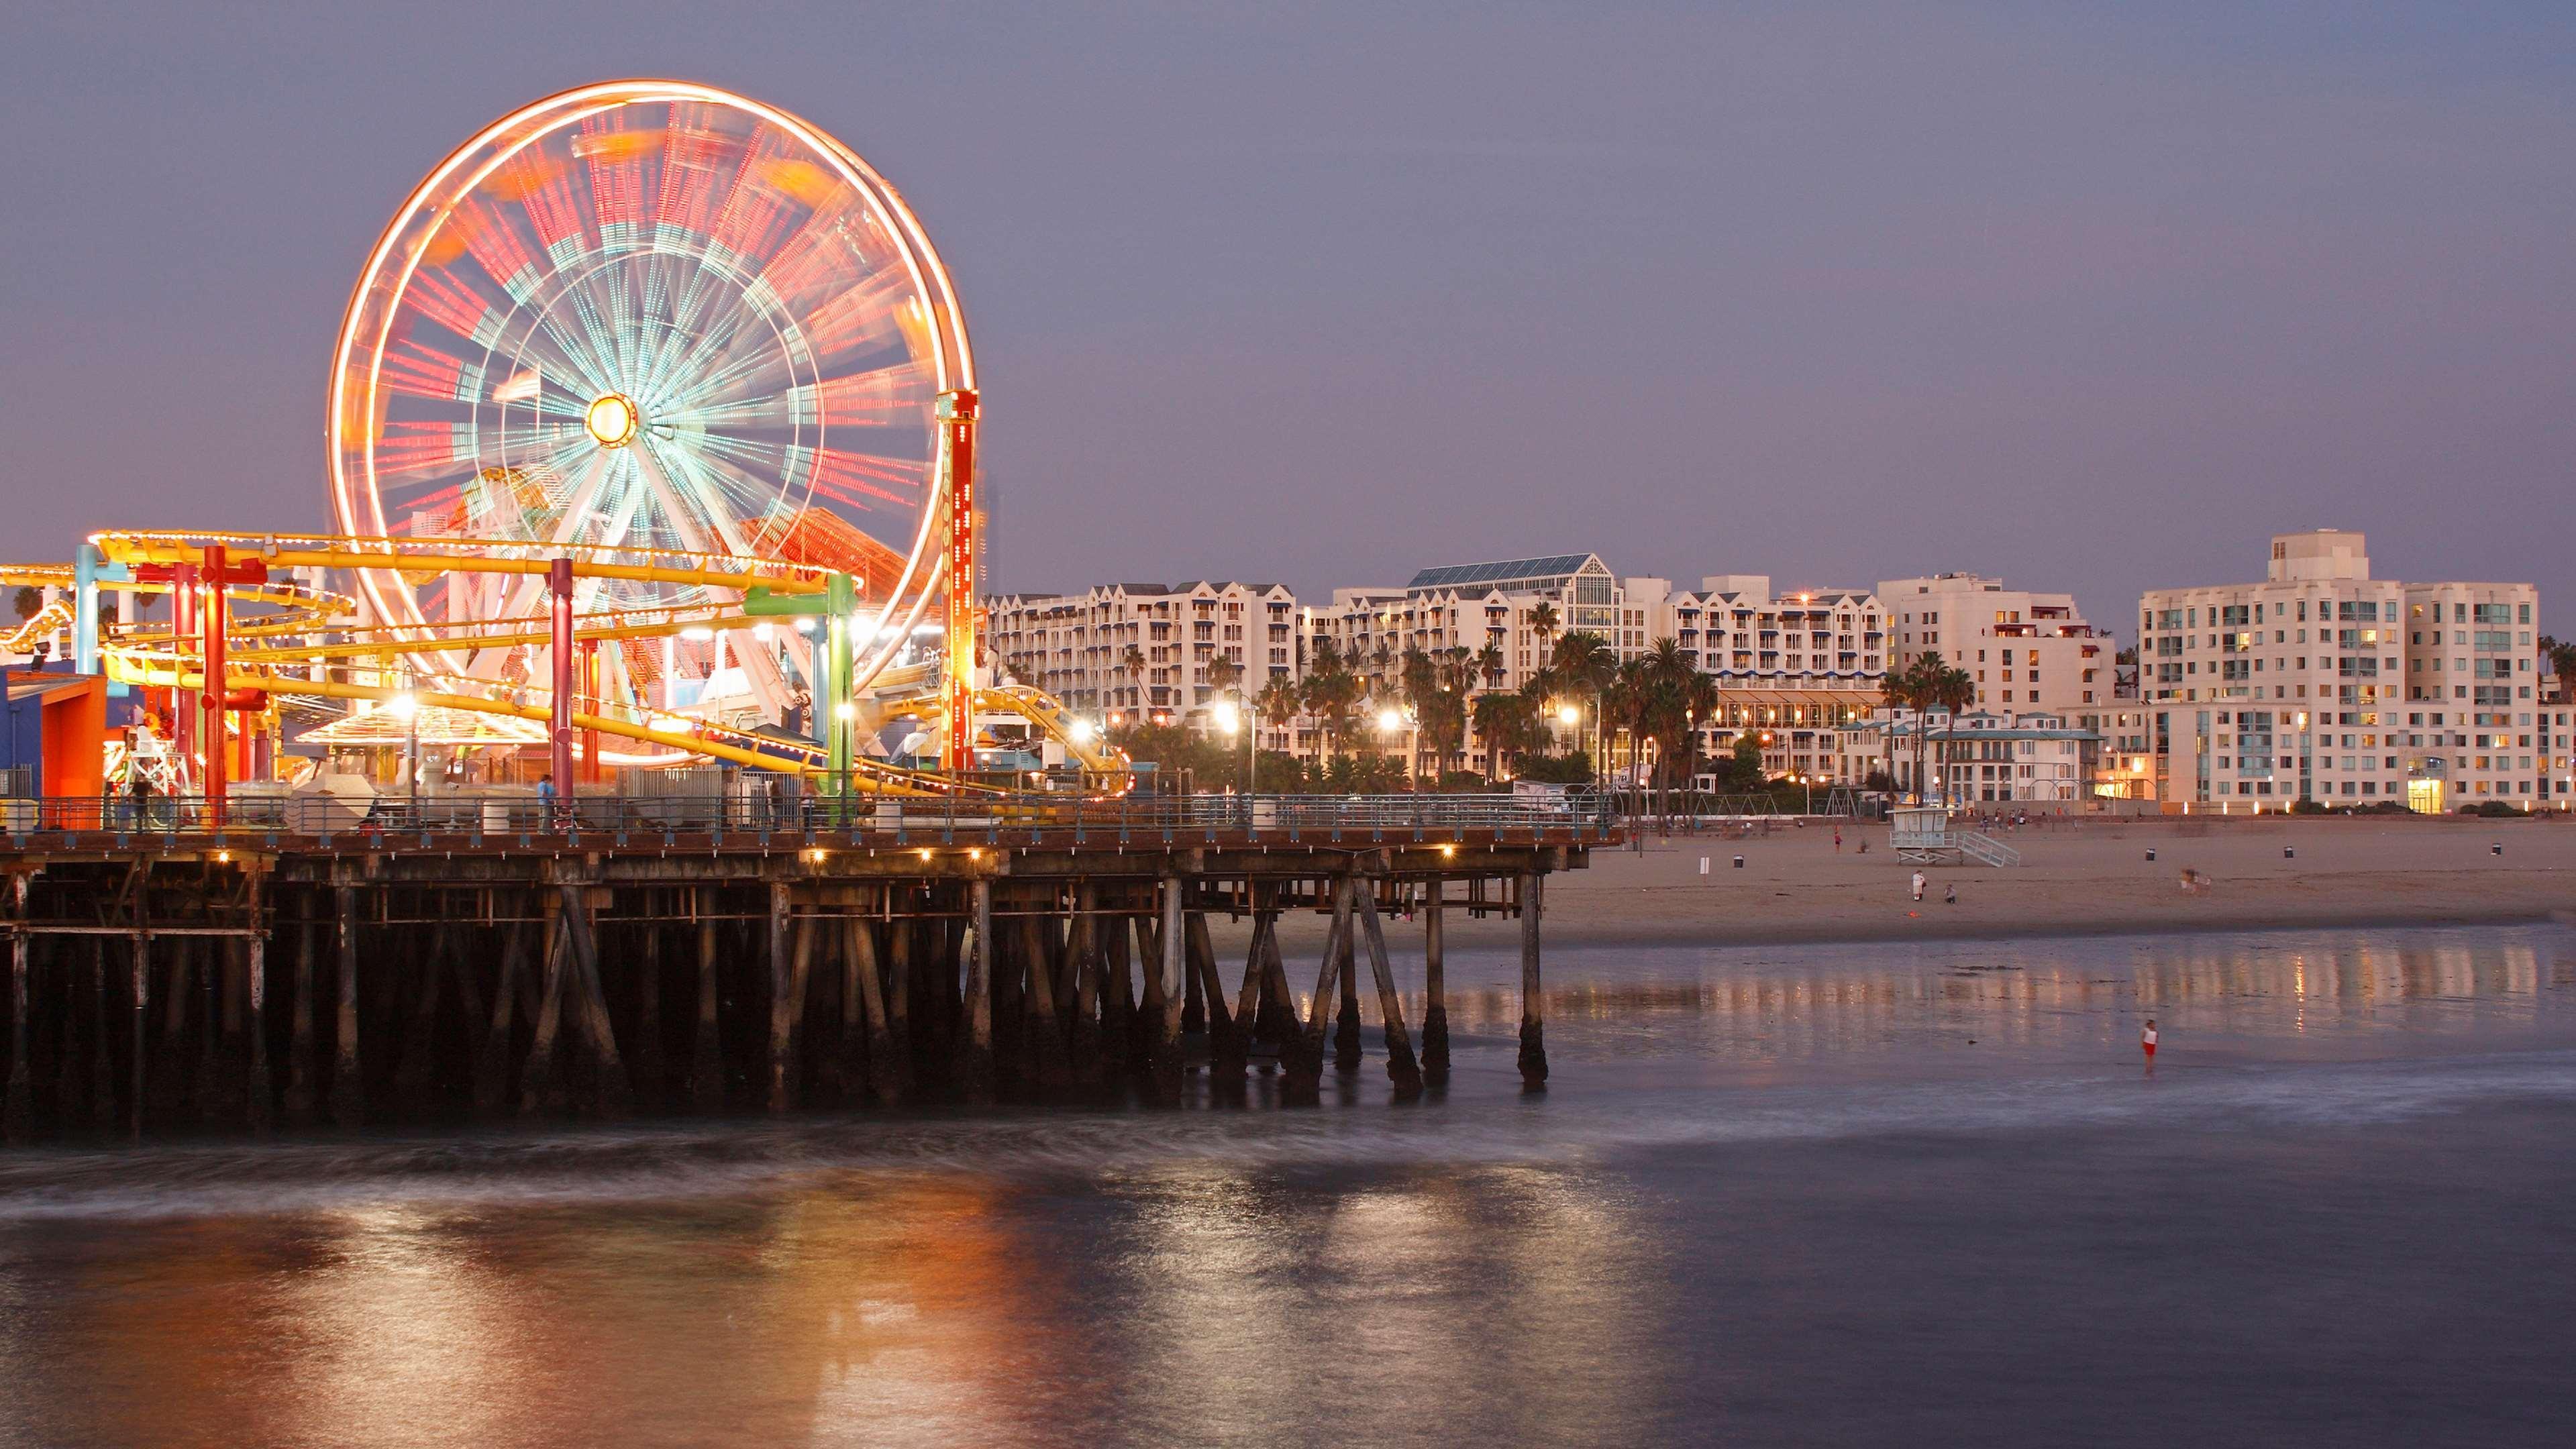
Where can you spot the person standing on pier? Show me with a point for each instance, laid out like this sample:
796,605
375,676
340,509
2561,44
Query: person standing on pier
546,799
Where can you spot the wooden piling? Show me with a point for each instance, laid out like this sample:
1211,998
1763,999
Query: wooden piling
1401,1069
300,1093
1533,1056
782,995
102,1059
415,1059
255,1091
885,1080
500,1029
1167,1041
17,1122
1435,985
652,1081
975,1068
348,1094
1226,1054
1042,1035
1083,944
611,1095
141,1053
1301,1074
540,1089
1346,1026
706,1058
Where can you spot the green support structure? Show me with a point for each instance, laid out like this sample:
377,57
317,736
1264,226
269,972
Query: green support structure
832,708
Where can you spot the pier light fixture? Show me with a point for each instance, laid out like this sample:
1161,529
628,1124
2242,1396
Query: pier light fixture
845,710
1223,712
403,706
1081,731
612,419
697,633
1390,720
925,855
805,626
1568,714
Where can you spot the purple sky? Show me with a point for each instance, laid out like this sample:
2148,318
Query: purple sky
2092,296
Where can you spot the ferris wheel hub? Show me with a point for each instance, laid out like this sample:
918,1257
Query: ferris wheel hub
612,419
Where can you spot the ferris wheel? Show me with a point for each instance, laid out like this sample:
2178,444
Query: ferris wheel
654,317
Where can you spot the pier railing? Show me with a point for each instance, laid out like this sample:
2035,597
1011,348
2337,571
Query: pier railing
392,821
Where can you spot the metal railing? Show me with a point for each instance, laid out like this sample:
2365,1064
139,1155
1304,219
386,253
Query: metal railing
395,820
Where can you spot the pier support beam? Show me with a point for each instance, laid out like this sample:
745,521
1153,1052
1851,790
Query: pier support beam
1435,986
348,1094
1301,1070
783,984
1533,1058
1401,1069
18,1118
1174,951
706,1059
1346,1024
300,1093
976,1067
256,1091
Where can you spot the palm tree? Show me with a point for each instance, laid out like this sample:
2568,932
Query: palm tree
1542,620
1330,690
1132,664
1490,665
1929,683
1505,721
1585,664
2561,654
1277,702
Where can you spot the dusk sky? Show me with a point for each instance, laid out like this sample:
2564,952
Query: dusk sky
2091,296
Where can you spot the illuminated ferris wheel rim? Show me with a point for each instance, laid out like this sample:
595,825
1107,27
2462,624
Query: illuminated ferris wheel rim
399,251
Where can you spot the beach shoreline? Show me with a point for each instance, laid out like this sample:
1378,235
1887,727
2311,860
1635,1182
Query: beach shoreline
2091,878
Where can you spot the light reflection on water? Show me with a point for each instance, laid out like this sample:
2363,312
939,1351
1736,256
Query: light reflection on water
1479,1266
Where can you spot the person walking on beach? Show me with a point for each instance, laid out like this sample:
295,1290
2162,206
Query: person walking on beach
1918,885
2147,1040
1838,840
1950,895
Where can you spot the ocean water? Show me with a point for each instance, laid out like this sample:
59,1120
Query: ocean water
1845,1195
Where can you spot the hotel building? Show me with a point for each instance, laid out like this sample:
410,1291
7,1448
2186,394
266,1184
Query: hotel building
2025,651
2325,684
1145,649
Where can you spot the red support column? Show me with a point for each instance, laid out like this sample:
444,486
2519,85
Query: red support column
212,698
186,726
559,586
957,414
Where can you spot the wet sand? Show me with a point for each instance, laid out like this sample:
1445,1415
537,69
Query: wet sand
2091,877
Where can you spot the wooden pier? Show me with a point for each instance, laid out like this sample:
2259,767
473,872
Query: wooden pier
170,981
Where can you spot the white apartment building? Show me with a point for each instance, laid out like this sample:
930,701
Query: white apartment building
1145,648
1789,666
1981,757
2026,651
2323,683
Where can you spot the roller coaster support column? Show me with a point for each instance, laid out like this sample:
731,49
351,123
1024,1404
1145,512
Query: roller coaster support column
958,408
89,570
210,700
593,685
185,726
560,651
832,669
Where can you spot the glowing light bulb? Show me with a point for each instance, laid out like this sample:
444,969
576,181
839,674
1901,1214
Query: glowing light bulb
611,420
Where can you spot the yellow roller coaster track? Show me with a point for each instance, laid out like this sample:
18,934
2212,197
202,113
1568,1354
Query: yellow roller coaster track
307,627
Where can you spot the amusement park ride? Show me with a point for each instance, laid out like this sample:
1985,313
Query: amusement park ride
652,419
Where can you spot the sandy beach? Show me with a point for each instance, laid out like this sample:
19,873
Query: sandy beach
2089,876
